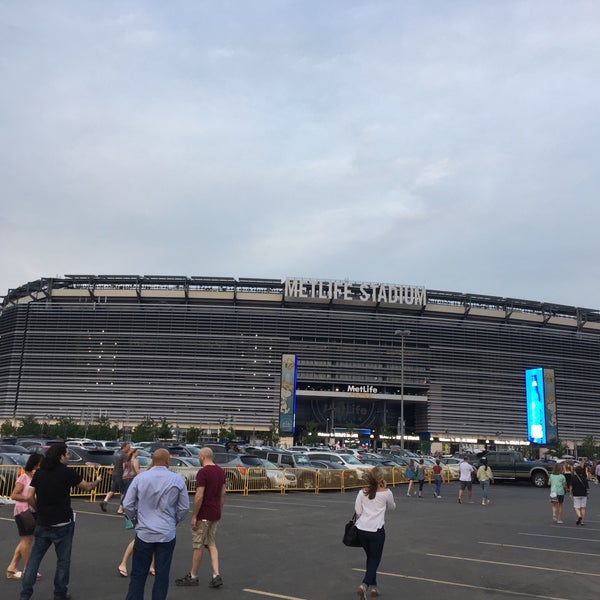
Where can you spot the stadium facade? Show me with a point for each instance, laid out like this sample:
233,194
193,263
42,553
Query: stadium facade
207,352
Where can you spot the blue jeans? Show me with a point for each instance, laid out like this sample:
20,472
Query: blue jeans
44,537
485,484
372,543
140,565
438,484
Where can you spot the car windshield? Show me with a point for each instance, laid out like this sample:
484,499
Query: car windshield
268,464
351,460
302,459
252,461
15,459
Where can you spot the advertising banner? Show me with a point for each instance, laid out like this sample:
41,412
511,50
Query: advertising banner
287,407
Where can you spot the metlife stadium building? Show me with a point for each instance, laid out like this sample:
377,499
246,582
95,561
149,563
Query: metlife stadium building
351,357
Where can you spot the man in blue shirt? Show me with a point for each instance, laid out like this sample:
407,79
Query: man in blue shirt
157,500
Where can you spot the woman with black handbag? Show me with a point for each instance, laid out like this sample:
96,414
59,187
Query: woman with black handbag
24,518
370,506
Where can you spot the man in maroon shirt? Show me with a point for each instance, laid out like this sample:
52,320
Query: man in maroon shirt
208,502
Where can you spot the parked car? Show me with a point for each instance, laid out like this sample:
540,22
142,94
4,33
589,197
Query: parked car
14,449
239,465
174,449
278,477
90,458
187,467
345,459
306,475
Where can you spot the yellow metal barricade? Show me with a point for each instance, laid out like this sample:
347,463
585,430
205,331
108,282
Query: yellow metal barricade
8,476
235,480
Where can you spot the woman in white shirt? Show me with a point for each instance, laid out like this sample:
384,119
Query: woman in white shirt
370,506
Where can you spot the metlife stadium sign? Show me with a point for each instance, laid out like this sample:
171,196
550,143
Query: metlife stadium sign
318,289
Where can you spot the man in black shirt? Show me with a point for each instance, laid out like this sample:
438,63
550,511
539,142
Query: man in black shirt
49,497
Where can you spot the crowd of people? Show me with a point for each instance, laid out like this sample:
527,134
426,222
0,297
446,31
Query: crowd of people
155,501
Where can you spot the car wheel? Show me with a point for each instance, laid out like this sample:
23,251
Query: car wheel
539,479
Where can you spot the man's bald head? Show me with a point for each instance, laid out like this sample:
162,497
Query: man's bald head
206,453
160,457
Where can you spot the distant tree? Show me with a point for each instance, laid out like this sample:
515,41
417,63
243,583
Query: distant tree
226,434
193,435
29,426
556,447
7,429
272,437
164,430
309,435
146,431
589,449
103,429
65,427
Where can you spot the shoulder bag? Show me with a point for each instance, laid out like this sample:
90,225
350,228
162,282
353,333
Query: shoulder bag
351,533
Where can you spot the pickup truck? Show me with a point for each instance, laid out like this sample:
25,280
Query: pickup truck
511,464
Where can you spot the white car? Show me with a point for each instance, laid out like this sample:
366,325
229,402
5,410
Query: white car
345,459
278,477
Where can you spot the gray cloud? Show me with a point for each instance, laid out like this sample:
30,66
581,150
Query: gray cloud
451,145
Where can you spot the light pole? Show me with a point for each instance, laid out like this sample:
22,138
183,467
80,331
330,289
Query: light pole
402,333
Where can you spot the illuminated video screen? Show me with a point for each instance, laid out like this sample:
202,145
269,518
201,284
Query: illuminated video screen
536,406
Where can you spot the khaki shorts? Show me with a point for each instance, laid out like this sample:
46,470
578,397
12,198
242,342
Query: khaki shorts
204,534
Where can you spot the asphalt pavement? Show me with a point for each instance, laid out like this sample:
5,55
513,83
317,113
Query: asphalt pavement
289,547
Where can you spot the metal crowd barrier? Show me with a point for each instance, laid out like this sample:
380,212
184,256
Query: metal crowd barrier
242,480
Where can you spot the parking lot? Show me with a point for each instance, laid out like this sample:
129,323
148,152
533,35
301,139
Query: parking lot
289,547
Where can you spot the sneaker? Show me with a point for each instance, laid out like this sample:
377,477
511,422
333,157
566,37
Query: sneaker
578,522
187,580
560,522
215,582
459,501
362,592
554,518
103,505
374,592
439,496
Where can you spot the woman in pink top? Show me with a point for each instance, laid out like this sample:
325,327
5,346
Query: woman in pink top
19,494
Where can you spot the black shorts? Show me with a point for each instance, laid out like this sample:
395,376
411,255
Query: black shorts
22,528
466,484
116,486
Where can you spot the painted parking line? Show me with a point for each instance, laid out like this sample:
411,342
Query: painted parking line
540,549
559,537
469,586
270,594
518,565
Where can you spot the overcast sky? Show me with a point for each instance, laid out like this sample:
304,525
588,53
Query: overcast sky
449,144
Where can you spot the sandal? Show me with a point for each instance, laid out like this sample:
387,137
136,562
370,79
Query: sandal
122,571
14,574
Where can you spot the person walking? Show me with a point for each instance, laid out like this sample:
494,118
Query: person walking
157,500
579,490
370,507
20,494
206,514
116,479
485,476
421,476
131,468
465,479
438,478
558,488
410,475
49,495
